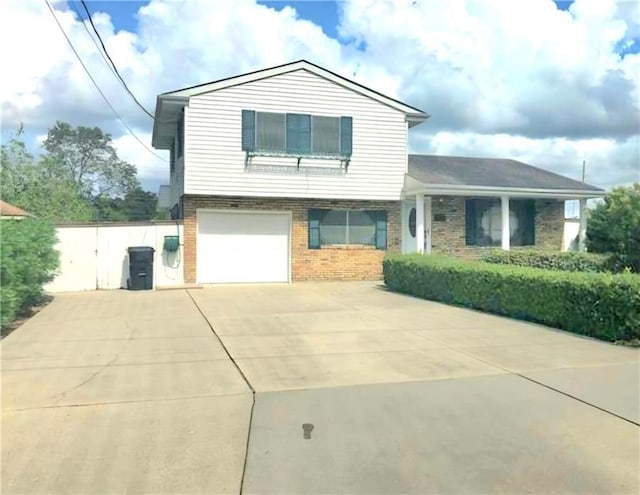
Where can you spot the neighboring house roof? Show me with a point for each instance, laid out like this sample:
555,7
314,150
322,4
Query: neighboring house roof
460,173
168,103
9,210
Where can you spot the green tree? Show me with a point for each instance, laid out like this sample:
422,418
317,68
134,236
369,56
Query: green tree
614,226
140,205
31,185
86,157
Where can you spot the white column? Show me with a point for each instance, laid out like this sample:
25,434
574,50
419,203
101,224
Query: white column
582,230
420,223
506,231
427,225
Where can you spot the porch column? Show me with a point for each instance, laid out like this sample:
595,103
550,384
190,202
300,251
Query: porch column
419,223
506,231
427,225
582,229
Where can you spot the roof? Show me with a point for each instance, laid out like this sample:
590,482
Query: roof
490,173
9,210
169,104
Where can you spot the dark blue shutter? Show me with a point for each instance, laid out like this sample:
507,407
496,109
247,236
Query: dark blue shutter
381,229
298,133
470,222
529,214
314,228
346,133
248,130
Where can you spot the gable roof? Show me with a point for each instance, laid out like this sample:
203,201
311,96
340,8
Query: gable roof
486,173
170,103
9,210
291,67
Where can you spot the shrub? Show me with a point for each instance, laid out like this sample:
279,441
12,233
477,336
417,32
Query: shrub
602,305
613,226
27,262
568,261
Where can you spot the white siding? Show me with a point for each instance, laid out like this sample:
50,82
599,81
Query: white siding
215,162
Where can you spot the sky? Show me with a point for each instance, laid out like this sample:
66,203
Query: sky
548,83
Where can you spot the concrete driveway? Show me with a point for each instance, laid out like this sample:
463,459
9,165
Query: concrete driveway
132,392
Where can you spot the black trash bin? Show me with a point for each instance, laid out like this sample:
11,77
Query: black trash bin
140,268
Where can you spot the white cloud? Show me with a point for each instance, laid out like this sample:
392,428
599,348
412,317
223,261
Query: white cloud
500,78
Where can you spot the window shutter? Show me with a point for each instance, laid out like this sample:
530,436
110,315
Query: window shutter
314,228
529,210
346,135
298,133
470,222
248,130
381,229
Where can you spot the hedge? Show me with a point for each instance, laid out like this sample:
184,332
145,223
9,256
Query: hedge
567,261
602,305
27,262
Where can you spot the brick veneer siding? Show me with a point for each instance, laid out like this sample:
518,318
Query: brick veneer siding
449,235
327,263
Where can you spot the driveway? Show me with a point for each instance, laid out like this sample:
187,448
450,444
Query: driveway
124,391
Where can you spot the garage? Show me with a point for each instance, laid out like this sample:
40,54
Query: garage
242,247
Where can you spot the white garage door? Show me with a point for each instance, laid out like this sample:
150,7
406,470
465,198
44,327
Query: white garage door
242,247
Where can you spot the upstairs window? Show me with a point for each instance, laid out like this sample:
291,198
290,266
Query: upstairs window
296,134
270,131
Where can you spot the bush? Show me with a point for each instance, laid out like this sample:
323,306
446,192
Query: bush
602,305
568,261
613,226
27,262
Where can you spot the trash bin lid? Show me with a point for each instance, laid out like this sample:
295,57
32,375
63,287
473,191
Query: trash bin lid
140,249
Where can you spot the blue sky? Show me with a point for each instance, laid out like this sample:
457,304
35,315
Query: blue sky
324,13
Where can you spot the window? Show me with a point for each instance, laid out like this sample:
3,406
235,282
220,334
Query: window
484,222
296,134
180,139
325,135
347,227
270,134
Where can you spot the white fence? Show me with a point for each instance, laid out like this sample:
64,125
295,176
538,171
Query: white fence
94,256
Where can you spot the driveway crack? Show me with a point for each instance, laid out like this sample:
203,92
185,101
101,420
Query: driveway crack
63,394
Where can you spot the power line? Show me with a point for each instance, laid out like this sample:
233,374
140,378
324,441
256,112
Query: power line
106,100
84,25
104,48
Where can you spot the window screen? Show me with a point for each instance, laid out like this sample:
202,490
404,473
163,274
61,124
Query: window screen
270,131
325,132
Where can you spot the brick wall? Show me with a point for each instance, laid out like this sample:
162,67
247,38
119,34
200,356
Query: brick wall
328,263
448,233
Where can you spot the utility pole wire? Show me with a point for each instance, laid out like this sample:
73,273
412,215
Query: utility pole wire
106,100
84,25
104,48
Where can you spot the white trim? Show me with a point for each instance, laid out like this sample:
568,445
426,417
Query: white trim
413,114
506,229
427,225
582,229
419,223
521,192
249,212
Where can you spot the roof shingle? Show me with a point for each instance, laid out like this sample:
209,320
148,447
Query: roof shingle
488,172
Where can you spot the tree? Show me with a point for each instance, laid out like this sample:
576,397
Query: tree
140,204
614,226
87,158
30,184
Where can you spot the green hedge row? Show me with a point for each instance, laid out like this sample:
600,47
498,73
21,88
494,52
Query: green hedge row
567,261
602,305
28,260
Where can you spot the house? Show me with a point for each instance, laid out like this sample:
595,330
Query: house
297,173
11,212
